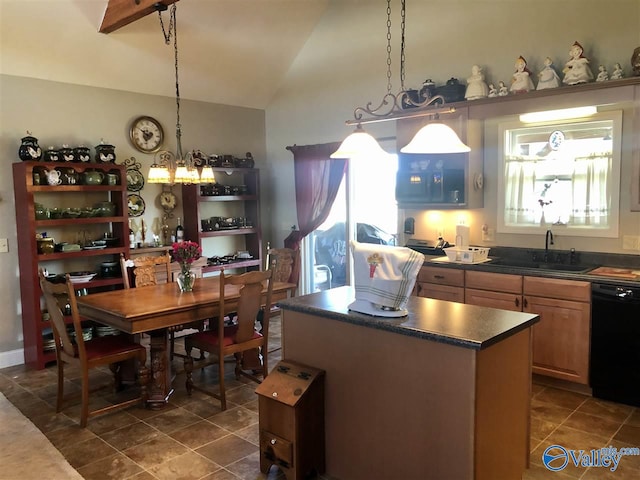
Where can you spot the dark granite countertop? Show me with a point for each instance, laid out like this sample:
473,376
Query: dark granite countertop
466,326
590,260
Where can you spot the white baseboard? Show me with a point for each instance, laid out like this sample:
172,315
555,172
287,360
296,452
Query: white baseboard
11,358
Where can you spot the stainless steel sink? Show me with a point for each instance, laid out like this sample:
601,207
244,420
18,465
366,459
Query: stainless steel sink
559,267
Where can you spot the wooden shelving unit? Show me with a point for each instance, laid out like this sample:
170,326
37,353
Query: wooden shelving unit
195,204
26,195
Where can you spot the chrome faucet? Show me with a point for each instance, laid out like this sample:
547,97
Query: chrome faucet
548,240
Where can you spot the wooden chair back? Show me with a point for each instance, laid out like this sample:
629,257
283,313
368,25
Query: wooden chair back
249,303
241,339
287,265
57,296
146,270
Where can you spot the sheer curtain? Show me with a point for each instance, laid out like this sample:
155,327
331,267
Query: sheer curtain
590,195
520,177
317,180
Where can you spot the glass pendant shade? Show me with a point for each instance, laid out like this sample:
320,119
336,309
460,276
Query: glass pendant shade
181,175
159,174
435,138
207,176
357,144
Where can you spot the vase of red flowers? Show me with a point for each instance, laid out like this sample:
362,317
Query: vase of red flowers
185,253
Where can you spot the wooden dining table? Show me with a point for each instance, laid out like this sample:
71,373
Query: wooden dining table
156,310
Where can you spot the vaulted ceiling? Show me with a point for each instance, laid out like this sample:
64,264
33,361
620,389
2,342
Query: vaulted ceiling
234,52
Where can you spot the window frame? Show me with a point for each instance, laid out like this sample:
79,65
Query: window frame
612,231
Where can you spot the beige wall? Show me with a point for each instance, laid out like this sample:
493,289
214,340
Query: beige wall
58,113
444,39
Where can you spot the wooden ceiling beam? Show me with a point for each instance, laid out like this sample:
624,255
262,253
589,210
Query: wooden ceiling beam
123,12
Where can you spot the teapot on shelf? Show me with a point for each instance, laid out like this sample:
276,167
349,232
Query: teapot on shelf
93,177
29,149
53,176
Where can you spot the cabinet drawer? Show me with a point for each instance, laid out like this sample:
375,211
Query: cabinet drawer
440,292
557,288
442,276
276,448
486,298
496,282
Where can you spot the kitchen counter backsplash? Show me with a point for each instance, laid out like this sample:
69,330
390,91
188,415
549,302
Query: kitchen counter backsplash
586,258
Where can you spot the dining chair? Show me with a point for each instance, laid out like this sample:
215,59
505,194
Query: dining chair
146,270
286,268
240,339
111,350
154,270
285,263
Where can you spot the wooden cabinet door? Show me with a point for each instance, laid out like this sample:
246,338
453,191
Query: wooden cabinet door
442,276
440,292
485,298
561,338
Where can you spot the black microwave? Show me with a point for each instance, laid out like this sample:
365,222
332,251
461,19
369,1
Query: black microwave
431,186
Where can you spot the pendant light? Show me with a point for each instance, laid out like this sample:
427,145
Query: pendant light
177,168
435,137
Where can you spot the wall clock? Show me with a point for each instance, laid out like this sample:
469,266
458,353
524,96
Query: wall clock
168,201
146,134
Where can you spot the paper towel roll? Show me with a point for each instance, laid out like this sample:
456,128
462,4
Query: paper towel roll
462,235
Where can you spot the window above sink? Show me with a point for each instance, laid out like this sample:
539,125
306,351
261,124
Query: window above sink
564,175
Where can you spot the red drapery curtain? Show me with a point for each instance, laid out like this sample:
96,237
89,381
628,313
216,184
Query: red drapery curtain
317,180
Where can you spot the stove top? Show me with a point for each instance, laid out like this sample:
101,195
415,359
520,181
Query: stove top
426,247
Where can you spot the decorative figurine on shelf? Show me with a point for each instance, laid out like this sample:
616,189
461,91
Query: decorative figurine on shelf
577,70
476,86
547,77
618,73
521,80
493,91
635,62
503,91
603,75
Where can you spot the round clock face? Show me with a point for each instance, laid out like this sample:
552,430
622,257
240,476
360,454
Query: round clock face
555,139
146,134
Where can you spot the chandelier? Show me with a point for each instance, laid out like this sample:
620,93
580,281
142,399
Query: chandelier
435,137
178,168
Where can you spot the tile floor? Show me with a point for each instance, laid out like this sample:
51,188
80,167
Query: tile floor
193,439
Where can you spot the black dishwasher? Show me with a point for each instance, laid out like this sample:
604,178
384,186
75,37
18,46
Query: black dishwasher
615,343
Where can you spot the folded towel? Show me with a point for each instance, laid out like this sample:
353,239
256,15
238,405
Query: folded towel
385,275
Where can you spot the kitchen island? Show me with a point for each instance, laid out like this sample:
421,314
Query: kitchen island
443,393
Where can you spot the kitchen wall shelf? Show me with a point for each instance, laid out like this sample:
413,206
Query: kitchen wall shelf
27,193
198,207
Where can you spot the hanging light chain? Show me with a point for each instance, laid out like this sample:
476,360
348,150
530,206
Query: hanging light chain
172,31
389,46
402,43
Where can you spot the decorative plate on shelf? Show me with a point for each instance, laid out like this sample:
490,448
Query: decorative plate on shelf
135,180
136,205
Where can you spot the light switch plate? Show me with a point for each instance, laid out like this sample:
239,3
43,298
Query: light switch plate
4,245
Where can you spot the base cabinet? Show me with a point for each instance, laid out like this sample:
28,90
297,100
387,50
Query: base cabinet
561,339
441,284
495,290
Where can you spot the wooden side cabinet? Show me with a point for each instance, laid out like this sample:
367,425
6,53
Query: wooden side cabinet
291,409
562,337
